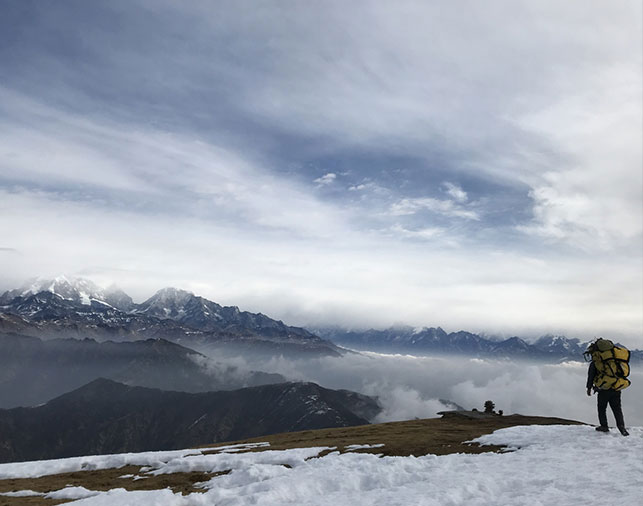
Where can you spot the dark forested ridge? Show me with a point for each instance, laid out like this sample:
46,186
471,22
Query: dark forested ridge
108,417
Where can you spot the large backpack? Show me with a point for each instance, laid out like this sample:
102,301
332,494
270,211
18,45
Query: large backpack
612,364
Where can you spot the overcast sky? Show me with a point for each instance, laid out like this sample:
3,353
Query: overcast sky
474,165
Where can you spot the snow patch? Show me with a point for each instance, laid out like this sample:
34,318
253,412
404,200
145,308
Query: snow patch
21,493
71,493
362,447
238,447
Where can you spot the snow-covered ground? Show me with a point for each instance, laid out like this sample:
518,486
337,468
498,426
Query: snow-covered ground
561,465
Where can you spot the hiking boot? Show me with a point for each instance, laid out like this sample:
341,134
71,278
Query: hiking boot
624,431
602,428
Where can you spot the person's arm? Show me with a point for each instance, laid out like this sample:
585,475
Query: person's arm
591,374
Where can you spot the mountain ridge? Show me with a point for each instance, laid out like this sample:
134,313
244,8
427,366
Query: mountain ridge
35,370
435,340
105,416
78,308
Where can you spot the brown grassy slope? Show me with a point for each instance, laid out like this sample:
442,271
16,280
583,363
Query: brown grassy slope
439,436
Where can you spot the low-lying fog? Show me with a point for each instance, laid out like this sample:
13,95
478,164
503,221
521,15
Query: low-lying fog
410,387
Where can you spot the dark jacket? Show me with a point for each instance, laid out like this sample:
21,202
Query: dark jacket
591,374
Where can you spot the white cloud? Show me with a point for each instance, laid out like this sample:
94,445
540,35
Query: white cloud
595,200
410,386
458,194
557,110
408,81
55,149
354,279
326,179
447,208
371,190
422,233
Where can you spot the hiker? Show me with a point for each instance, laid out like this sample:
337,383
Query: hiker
607,375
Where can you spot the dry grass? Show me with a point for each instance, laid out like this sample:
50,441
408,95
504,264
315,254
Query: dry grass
103,479
30,501
439,436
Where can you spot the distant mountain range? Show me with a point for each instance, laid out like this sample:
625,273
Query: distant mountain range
108,417
434,340
80,309
33,371
77,308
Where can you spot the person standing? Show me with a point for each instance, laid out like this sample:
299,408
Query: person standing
607,379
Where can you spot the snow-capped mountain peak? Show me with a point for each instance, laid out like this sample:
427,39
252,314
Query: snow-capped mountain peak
117,298
558,344
172,294
167,302
77,289
74,289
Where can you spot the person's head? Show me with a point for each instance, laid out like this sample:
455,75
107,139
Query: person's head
599,344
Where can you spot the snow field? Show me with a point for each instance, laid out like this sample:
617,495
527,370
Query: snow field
73,464
65,493
550,465
69,465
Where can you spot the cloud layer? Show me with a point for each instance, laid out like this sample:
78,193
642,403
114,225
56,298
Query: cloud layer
475,166
410,387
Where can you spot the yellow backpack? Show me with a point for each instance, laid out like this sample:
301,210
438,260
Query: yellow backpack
612,364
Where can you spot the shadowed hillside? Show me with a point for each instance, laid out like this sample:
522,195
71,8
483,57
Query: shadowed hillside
107,417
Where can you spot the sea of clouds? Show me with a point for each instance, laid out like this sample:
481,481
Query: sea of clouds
410,386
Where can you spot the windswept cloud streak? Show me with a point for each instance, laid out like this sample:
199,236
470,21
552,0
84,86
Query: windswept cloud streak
151,171
444,207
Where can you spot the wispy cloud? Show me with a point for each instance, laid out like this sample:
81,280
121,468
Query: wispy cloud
596,202
422,233
447,208
144,168
458,194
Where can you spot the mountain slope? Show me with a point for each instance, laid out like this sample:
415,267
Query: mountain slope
33,371
79,309
200,313
109,417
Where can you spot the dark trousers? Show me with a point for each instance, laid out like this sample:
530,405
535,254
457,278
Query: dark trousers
613,398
